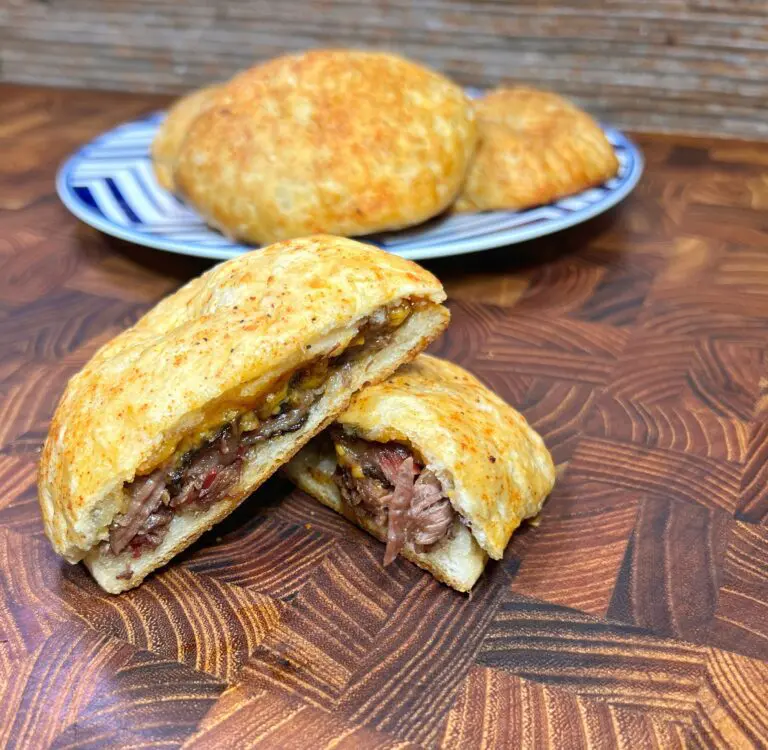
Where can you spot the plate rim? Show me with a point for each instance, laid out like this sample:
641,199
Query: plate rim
510,236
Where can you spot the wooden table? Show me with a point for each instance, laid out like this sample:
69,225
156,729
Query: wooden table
635,615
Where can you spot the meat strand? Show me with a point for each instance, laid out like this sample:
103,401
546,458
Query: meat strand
152,532
223,480
391,459
200,468
369,494
398,504
289,421
430,513
377,460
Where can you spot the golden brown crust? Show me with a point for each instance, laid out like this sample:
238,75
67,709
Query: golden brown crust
500,469
339,141
249,319
171,133
534,147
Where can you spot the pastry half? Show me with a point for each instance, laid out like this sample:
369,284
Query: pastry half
177,420
434,464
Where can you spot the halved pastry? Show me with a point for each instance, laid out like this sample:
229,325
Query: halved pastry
433,463
177,420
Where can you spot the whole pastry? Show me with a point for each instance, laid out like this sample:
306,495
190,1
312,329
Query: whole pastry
173,130
533,147
338,141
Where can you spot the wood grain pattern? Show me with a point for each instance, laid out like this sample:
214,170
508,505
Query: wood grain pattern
634,615
500,710
242,719
696,66
582,576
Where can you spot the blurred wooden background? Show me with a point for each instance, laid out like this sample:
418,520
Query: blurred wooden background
683,65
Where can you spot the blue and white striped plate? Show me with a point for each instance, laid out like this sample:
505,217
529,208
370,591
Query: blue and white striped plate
110,185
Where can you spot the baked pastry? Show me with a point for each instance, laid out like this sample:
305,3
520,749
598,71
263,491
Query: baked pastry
172,131
339,141
177,420
433,463
533,148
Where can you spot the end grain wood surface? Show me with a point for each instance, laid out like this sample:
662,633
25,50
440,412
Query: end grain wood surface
635,615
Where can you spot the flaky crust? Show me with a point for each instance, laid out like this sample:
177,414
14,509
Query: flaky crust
339,141
500,468
172,131
249,319
533,147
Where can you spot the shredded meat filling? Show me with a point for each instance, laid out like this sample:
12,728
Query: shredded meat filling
385,482
206,475
199,479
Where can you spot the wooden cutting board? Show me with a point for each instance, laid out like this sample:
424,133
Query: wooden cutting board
635,615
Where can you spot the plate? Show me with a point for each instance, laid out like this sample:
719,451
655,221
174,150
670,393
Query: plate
109,184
